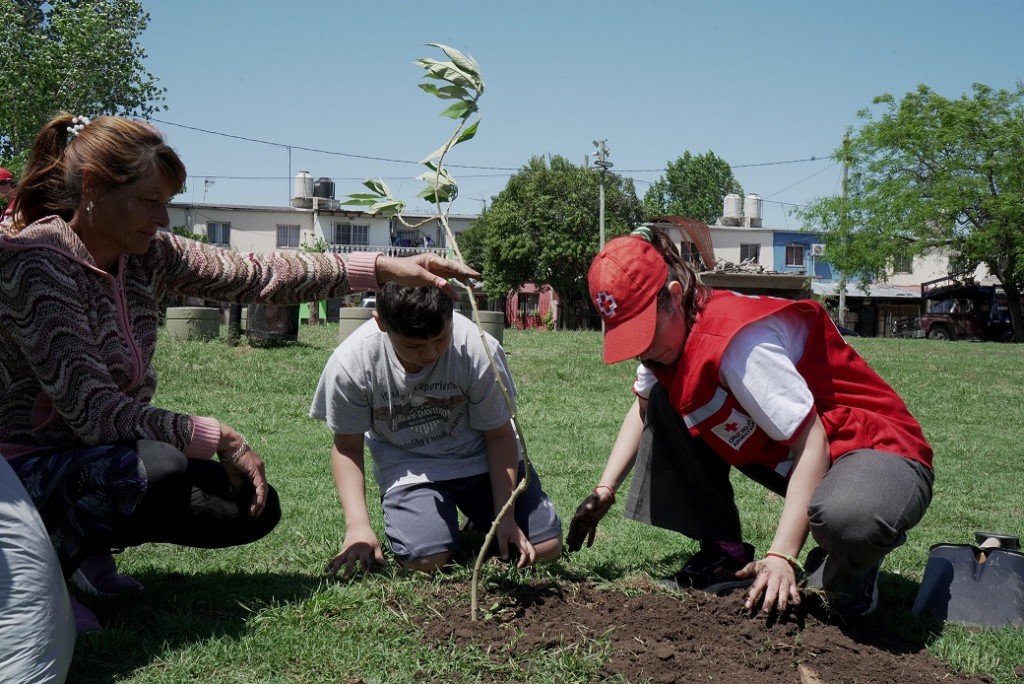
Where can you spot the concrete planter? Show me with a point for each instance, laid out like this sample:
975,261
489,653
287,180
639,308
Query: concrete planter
493,323
193,322
350,318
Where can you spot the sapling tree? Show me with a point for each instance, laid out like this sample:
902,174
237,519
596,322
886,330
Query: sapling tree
456,79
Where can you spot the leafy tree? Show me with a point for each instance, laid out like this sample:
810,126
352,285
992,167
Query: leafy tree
544,226
81,56
185,232
930,173
472,242
693,187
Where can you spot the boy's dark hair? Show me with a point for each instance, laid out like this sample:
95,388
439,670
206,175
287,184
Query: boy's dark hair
419,312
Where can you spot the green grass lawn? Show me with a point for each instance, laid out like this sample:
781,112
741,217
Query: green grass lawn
262,613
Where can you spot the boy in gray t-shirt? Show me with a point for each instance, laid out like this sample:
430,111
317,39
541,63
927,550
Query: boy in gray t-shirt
415,383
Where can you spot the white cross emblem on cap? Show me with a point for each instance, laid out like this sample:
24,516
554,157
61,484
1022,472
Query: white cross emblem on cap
606,304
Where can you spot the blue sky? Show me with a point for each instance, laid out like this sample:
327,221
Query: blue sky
756,82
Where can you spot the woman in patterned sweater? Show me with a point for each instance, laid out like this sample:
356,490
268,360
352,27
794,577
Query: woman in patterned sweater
83,270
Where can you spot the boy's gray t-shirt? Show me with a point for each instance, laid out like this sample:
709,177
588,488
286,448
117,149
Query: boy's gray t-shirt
420,427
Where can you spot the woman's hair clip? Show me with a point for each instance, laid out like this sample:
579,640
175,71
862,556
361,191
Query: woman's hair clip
77,124
644,232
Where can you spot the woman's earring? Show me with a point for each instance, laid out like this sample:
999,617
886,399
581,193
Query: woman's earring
88,207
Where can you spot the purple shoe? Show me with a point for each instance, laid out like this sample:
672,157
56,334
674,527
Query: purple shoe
97,575
85,619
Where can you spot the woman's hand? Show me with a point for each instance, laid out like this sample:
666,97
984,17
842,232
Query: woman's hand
775,582
242,465
426,269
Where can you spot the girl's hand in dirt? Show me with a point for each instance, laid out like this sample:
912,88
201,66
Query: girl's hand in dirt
583,525
775,585
359,551
509,536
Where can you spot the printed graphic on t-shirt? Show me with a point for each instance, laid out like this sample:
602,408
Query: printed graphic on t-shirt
430,413
735,430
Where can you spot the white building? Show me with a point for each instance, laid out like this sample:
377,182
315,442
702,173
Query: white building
315,217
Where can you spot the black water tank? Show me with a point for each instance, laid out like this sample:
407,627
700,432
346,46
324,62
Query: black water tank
323,187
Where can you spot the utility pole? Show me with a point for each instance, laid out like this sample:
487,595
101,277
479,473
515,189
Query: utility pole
842,276
602,164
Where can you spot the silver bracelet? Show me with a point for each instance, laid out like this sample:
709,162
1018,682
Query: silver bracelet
235,455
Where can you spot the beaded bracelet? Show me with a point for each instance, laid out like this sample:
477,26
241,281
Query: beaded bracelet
789,559
237,453
610,491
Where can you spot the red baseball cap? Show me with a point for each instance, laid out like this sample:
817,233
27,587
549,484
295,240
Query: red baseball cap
5,175
625,279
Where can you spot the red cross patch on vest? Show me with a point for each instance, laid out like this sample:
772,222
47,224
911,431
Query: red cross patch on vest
736,429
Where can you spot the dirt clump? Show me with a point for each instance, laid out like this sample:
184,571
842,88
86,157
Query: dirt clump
649,635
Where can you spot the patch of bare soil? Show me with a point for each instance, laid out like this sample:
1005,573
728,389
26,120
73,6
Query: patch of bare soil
663,637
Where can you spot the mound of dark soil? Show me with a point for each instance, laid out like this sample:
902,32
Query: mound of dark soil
662,637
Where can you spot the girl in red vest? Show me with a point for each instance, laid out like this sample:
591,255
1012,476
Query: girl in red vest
768,386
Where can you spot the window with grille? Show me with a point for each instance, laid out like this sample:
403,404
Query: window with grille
902,262
690,254
529,304
794,255
750,253
218,233
350,234
288,236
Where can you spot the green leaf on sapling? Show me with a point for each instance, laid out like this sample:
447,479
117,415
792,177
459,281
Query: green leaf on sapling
388,208
451,92
378,186
464,62
468,133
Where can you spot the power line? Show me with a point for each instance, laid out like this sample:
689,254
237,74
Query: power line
803,179
416,163
741,166
329,152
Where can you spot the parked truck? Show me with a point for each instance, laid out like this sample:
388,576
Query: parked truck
961,309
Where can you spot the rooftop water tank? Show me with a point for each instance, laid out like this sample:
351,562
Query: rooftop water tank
324,187
303,188
752,206
732,211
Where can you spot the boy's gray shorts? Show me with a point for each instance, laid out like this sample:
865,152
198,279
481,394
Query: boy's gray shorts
423,519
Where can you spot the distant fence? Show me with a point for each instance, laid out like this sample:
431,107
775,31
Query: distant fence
393,250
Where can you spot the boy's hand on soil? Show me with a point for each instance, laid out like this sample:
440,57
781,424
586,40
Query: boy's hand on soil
510,536
356,554
584,521
775,585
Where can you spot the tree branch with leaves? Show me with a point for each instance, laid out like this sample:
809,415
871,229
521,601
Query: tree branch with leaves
933,174
82,57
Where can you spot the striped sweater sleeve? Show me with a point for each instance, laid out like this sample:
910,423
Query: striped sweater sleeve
200,270
48,318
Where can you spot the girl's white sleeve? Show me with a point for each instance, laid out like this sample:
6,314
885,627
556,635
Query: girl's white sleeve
759,368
